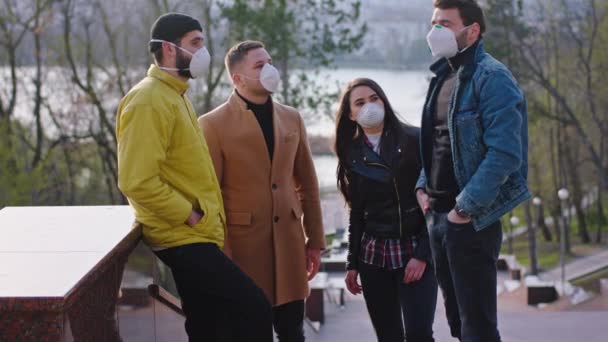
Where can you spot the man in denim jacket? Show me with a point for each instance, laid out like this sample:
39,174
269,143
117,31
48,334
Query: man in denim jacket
474,151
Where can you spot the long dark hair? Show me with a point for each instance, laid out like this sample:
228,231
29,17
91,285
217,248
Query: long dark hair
347,130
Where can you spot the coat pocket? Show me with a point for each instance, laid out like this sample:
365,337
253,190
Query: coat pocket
291,136
239,218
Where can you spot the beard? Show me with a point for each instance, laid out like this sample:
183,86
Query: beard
183,64
461,40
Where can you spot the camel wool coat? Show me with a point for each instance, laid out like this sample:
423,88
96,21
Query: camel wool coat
273,208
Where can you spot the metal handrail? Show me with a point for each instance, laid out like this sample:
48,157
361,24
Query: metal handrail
166,298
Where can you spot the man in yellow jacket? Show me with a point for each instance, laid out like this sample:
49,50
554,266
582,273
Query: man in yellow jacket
166,172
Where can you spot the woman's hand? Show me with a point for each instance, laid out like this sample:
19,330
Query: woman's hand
414,270
352,283
423,201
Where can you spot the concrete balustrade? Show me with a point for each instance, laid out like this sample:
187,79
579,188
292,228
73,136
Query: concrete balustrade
61,270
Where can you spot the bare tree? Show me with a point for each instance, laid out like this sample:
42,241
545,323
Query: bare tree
103,131
38,27
531,239
585,43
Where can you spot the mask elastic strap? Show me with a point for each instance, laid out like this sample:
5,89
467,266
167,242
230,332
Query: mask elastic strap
175,45
250,78
167,68
465,48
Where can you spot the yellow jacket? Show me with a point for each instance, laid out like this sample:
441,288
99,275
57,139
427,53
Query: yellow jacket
164,167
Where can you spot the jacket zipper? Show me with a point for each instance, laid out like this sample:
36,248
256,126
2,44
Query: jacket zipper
396,193
189,113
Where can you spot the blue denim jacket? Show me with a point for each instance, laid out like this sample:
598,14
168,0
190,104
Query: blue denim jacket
488,127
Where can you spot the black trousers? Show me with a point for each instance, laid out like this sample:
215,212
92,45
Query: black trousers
394,306
288,321
221,303
465,265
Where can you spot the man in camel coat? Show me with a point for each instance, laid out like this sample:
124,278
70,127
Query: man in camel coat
271,194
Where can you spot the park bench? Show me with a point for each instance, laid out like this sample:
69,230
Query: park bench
508,262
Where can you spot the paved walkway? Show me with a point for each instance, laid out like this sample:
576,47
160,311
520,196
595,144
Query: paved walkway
516,232
517,323
352,324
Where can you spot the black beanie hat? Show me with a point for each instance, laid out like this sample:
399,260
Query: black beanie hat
170,27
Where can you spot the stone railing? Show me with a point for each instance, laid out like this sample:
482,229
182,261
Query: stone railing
61,271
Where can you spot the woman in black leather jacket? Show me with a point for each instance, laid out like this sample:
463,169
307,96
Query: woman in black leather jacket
378,165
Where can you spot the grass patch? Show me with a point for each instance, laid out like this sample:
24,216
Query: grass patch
329,238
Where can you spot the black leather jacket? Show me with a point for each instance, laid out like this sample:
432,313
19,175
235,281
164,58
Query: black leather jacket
383,201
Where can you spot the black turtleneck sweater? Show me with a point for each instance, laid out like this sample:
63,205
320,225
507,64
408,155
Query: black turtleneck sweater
263,113
442,185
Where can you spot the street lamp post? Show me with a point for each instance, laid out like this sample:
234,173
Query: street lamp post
563,195
514,220
537,203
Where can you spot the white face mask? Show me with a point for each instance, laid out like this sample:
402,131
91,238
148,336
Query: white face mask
442,41
269,78
371,115
199,64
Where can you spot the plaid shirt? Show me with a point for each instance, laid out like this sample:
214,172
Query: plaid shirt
386,253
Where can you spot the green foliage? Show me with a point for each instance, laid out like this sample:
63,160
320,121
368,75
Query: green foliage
505,25
55,180
18,183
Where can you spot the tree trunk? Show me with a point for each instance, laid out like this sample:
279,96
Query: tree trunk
572,171
284,65
555,211
510,237
531,239
540,222
564,183
38,85
6,137
71,176
540,218
601,217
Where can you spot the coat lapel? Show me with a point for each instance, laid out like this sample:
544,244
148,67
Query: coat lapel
278,138
250,133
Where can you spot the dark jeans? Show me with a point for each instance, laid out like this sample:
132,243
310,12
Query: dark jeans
392,304
465,265
288,321
212,288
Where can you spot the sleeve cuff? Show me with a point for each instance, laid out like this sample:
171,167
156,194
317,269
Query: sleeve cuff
316,244
420,184
467,204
